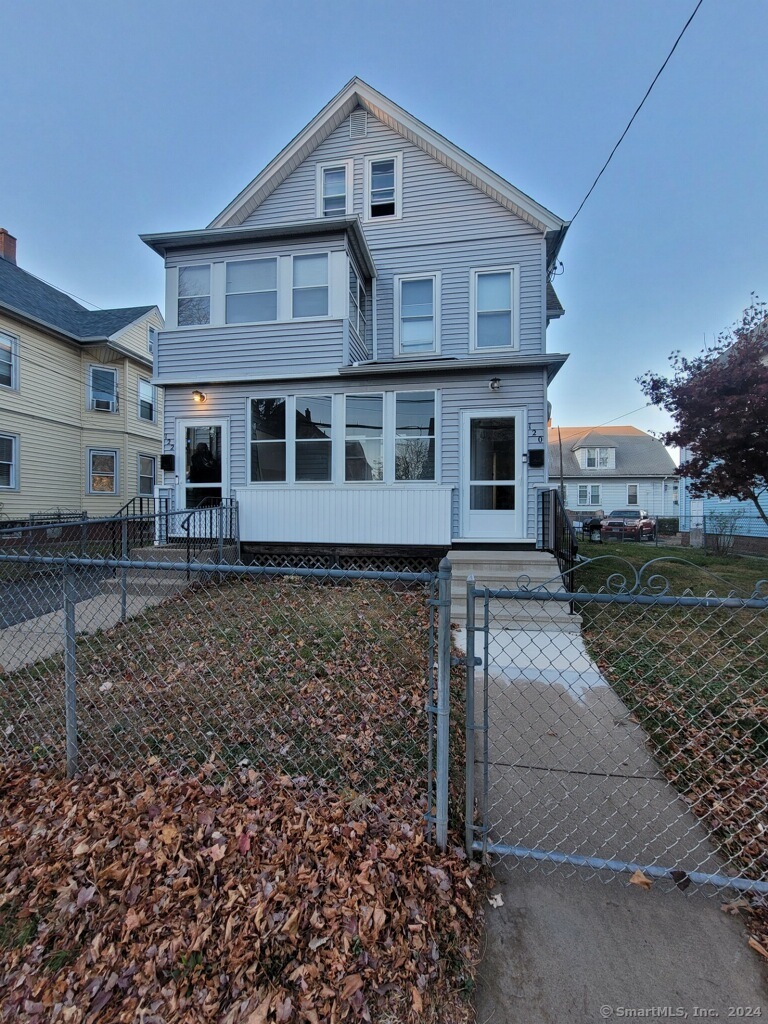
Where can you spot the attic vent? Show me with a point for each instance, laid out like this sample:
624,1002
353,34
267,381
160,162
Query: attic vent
358,124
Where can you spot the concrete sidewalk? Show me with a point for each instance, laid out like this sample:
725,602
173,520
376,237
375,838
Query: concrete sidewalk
570,770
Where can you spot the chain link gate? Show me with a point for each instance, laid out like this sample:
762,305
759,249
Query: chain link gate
621,730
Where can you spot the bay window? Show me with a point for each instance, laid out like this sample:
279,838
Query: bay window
251,291
310,285
194,296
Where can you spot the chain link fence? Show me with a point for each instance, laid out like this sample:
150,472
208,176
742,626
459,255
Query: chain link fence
624,726
232,671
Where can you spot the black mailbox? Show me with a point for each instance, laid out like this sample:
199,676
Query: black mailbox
167,462
536,458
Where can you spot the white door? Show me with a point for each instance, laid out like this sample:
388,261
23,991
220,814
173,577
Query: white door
202,463
493,484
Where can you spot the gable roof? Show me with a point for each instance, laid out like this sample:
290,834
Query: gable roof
637,453
357,93
25,296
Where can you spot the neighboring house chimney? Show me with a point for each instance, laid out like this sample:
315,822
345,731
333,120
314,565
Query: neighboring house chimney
7,246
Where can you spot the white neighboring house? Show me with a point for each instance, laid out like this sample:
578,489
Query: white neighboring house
612,468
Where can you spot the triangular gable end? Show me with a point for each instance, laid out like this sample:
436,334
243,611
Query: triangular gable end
358,93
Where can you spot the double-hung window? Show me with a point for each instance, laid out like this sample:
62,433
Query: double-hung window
632,496
383,188
152,333
364,438
102,385
251,291
9,361
314,425
102,471
589,494
147,474
9,461
194,295
598,458
417,325
268,440
310,286
494,300
334,189
146,400
415,435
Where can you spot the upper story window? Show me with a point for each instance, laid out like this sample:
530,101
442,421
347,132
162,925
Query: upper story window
364,438
334,189
383,186
146,400
417,314
102,387
194,296
310,286
151,339
415,435
9,361
251,291
9,459
598,458
494,314
357,317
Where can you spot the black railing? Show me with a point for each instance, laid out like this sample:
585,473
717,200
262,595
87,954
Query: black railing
558,535
211,527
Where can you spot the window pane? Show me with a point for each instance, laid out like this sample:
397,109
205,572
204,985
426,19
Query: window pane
492,499
334,181
194,311
492,449
493,330
365,415
363,460
6,363
251,276
595,499
6,449
415,414
313,417
268,419
313,460
493,291
310,302
268,462
309,271
417,335
103,389
194,281
415,458
146,400
416,297
334,205
251,307
383,175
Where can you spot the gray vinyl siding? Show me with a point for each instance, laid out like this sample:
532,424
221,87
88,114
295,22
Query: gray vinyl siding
447,224
521,390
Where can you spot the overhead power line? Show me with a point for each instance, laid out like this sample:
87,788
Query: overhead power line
637,111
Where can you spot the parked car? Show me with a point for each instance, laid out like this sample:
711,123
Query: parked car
628,524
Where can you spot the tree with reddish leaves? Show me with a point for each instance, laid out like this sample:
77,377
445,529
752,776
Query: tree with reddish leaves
719,404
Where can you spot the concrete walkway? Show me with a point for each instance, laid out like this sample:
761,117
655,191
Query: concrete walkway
570,771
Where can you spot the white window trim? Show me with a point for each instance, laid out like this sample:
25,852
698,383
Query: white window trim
589,489
349,183
14,484
292,403
183,266
14,346
252,259
139,492
514,271
387,450
309,319
90,452
145,380
116,405
637,494
374,158
437,302
290,429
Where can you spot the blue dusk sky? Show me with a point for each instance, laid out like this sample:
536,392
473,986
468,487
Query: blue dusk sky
124,117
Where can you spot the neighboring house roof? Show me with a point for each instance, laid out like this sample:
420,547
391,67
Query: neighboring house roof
358,93
26,296
637,453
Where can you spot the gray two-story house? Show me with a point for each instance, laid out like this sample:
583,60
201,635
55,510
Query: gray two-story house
355,348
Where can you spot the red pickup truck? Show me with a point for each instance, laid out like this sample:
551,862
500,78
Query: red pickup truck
628,524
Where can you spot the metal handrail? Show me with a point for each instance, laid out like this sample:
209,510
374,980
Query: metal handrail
558,535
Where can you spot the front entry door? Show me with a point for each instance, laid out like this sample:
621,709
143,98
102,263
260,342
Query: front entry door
493,488
206,457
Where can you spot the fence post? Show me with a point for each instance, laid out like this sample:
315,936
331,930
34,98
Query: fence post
469,783
124,571
70,671
443,700
221,532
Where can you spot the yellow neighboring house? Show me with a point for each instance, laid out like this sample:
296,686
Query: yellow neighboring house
80,419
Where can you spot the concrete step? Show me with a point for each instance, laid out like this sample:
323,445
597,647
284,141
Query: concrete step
513,570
